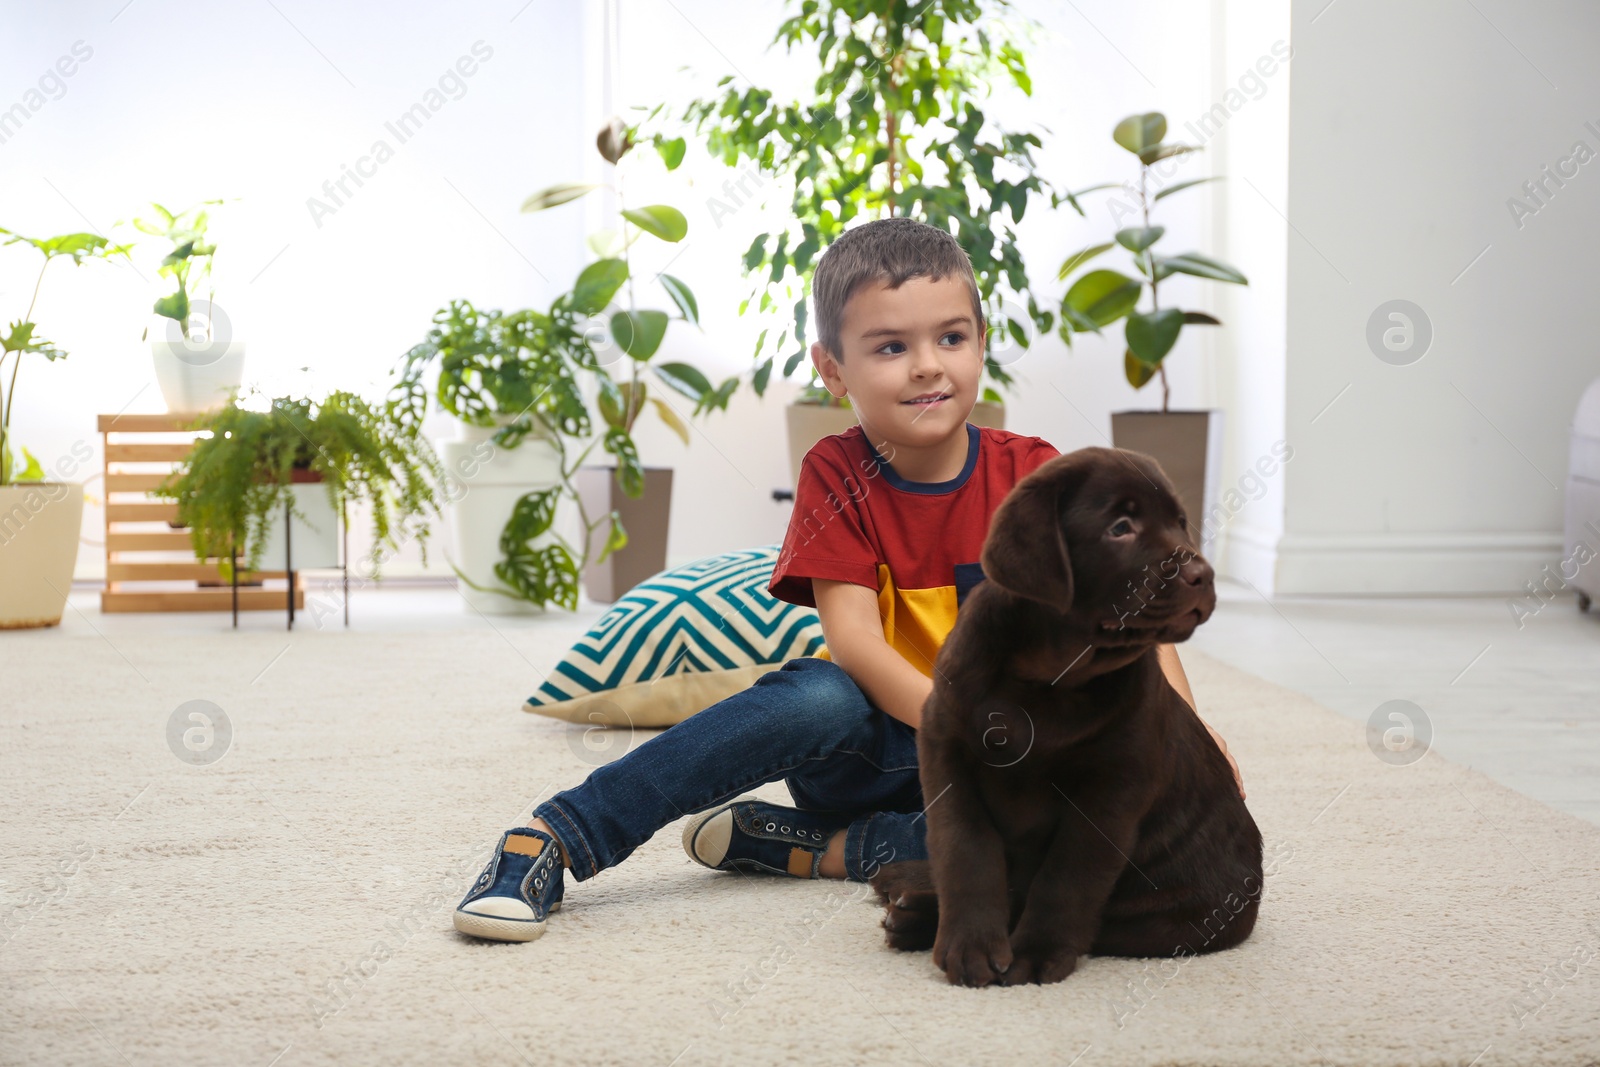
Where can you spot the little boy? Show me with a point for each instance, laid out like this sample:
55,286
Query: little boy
888,525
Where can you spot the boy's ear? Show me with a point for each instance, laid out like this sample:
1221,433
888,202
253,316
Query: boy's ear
827,369
1026,550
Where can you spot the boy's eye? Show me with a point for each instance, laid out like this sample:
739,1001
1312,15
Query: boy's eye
957,334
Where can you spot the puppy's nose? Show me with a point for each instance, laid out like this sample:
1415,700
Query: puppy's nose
1196,571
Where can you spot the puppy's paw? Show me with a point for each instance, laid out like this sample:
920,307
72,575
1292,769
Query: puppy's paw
972,957
1038,961
911,907
908,879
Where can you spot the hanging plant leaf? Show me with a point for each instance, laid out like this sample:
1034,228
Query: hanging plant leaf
597,284
556,195
664,222
682,297
684,378
670,417
1079,258
1200,318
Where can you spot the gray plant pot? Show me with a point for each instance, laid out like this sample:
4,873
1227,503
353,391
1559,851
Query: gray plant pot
1188,445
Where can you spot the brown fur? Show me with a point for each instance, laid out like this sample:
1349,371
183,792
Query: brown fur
1075,802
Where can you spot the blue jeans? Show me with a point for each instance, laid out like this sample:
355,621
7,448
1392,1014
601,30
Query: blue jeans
806,723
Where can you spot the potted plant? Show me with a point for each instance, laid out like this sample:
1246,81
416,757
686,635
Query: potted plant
513,382
1187,444
40,520
887,78
198,363
635,333
304,463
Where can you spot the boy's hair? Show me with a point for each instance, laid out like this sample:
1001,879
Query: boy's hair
893,250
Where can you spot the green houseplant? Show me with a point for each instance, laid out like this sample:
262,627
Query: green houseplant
514,382
39,520
1098,298
1187,444
889,75
198,363
240,476
636,333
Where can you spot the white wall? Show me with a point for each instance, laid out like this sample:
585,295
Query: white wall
1246,123
182,101
1413,127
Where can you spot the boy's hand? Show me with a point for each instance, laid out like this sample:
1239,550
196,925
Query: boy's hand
1237,778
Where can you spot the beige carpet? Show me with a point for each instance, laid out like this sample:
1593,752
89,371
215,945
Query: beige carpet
290,903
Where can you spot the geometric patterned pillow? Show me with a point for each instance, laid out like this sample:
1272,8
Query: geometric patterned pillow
679,642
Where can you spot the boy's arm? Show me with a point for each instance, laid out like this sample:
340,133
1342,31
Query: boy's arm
1167,656
853,632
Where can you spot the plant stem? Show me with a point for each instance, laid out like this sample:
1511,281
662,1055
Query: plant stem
1161,368
10,397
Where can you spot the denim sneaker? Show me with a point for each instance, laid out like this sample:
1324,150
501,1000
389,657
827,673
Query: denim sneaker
518,889
750,835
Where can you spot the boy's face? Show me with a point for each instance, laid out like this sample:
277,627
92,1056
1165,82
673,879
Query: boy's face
899,344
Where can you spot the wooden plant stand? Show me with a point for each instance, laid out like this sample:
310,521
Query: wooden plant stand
139,525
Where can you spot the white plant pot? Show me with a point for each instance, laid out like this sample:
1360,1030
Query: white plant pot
197,376
309,542
39,528
484,484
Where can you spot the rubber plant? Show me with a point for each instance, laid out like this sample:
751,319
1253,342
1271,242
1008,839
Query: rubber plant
22,338
238,477
890,74
519,373
1098,298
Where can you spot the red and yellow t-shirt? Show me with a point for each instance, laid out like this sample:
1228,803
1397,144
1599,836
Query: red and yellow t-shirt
918,544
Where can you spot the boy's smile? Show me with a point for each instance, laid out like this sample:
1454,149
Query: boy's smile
902,346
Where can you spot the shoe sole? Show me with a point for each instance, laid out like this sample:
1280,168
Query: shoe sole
492,928
692,836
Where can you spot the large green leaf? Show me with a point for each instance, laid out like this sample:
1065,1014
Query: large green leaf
1136,370
664,222
1139,238
1079,258
639,333
1156,153
671,152
20,339
556,195
1102,297
1203,267
684,378
597,284
1151,334
1136,133
1169,190
174,306
682,297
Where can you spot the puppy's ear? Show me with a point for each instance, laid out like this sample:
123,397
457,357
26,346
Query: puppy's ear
1026,550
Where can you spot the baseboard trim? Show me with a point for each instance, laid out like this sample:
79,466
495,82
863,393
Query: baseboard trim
1401,564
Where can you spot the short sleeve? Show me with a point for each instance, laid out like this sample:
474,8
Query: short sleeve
1037,455
826,536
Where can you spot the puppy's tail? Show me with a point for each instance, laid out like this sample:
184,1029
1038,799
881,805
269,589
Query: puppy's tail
911,905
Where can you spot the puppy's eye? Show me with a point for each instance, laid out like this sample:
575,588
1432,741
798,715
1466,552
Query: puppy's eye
1121,527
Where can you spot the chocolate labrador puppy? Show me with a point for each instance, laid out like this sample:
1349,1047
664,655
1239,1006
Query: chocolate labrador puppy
1075,802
